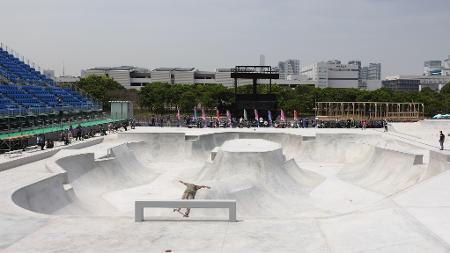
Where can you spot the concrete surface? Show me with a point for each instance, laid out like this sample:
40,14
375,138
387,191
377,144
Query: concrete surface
297,190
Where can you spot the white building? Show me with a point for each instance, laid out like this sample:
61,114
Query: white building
289,67
374,71
332,74
67,79
128,76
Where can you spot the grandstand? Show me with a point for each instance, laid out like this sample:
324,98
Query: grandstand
29,101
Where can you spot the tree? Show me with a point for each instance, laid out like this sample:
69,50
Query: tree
101,88
446,89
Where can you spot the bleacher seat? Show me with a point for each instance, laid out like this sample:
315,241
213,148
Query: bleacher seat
17,71
30,92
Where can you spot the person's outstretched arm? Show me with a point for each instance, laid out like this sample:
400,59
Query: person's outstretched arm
203,186
182,182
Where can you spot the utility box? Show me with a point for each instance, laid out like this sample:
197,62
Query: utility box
121,110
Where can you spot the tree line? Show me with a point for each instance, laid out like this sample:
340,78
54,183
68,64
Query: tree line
163,98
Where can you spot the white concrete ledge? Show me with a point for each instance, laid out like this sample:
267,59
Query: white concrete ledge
200,203
42,154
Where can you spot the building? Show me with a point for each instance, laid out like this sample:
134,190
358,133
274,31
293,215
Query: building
289,67
433,82
432,68
358,64
374,71
262,60
401,84
332,74
50,74
365,73
446,67
67,79
128,76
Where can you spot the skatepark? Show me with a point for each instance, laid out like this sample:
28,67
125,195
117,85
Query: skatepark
296,190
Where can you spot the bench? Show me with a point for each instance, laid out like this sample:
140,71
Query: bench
194,203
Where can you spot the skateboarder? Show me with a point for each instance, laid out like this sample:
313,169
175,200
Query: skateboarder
441,140
189,193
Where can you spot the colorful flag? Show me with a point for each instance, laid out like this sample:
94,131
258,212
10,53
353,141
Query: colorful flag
203,114
269,116
217,115
178,114
256,115
229,116
195,113
295,115
282,117
245,114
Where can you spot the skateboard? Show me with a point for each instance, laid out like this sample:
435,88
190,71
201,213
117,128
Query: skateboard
184,215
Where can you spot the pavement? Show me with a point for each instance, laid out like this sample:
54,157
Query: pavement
297,190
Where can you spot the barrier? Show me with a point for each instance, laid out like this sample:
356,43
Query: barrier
201,203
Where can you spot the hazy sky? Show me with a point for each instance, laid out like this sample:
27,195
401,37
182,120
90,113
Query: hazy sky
206,34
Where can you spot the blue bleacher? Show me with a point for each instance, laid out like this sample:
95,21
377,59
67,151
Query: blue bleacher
17,71
29,92
33,99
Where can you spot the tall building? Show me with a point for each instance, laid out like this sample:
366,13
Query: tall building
365,73
289,67
332,74
360,81
432,68
262,60
374,71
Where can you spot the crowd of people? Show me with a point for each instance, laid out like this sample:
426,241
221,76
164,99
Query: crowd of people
223,122
80,133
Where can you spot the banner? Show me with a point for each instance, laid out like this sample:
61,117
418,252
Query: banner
203,115
269,116
256,115
245,114
178,114
229,116
295,115
282,117
195,113
217,115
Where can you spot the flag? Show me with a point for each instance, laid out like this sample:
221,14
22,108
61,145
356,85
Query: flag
245,114
203,115
195,113
282,117
295,115
256,115
217,115
178,114
269,116
229,116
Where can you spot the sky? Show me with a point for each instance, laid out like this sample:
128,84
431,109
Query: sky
207,34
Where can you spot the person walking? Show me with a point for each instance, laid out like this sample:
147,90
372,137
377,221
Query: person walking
441,140
189,193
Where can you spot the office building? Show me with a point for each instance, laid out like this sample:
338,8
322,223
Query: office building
401,84
289,67
374,71
332,74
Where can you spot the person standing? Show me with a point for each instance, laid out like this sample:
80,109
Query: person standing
441,140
